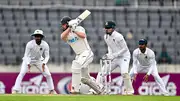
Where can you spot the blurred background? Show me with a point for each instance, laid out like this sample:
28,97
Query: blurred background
156,20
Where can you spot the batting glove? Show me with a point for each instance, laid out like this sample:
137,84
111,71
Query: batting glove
73,27
73,22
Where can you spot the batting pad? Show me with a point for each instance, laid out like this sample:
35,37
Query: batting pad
92,84
128,83
76,76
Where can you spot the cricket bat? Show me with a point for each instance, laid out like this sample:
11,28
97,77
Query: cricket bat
83,16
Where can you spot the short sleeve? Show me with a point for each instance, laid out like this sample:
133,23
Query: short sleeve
79,29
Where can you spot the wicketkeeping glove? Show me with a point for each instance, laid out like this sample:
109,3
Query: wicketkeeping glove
108,56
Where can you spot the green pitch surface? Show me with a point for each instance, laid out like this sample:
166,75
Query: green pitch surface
86,98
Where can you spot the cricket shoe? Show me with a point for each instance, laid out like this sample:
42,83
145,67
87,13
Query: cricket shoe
129,92
92,84
166,94
74,92
52,92
92,92
15,92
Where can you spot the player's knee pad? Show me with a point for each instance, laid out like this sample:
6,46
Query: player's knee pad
84,80
85,88
92,84
76,67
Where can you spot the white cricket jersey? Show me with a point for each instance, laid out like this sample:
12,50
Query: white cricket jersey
144,60
78,44
117,45
34,52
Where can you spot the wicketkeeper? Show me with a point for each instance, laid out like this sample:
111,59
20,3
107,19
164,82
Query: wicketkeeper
118,53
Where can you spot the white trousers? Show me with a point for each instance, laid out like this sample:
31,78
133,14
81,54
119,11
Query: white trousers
154,73
38,65
80,69
121,62
85,58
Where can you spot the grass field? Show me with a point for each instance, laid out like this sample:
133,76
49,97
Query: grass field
15,97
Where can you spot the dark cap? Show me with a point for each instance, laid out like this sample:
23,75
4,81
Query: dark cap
109,24
142,42
65,20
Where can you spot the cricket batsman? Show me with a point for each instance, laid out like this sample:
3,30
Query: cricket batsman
119,55
75,36
33,57
144,61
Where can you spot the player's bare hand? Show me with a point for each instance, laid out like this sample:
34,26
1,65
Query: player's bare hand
43,67
29,67
146,78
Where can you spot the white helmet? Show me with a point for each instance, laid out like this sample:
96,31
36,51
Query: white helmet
38,32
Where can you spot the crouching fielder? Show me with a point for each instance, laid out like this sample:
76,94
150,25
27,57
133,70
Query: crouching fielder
144,61
118,53
75,36
33,57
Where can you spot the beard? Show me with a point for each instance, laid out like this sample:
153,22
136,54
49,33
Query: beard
109,33
38,41
142,50
65,28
